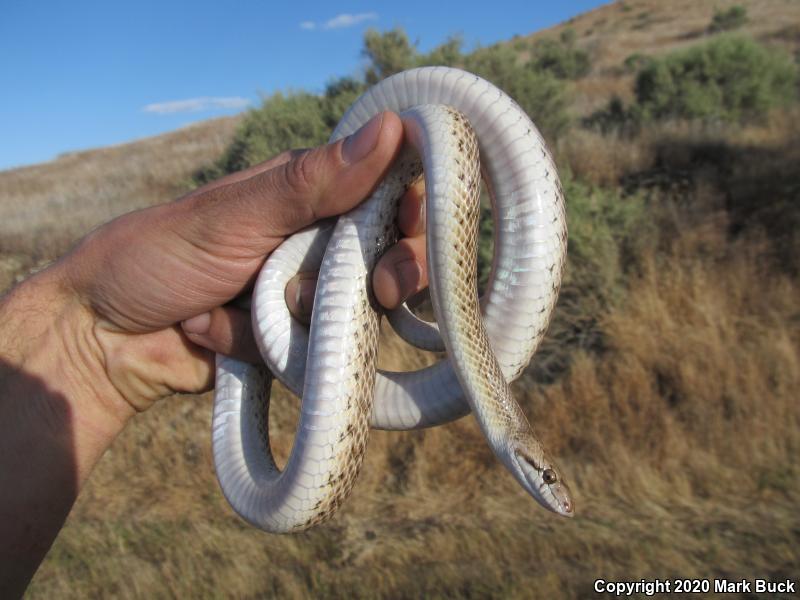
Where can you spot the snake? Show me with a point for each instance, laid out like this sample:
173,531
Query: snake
459,130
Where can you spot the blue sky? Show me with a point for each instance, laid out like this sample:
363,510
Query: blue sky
77,75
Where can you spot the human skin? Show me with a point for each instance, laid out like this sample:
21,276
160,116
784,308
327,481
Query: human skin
135,312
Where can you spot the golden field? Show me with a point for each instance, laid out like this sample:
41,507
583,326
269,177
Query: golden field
678,423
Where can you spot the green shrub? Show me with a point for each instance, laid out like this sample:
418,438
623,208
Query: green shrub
614,117
284,122
728,78
388,53
635,62
339,95
561,58
448,54
540,94
485,245
726,20
607,234
298,120
281,123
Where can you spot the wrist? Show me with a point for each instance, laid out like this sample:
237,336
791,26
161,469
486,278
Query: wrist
53,365
58,415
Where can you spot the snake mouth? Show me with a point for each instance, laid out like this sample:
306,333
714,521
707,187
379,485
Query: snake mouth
554,496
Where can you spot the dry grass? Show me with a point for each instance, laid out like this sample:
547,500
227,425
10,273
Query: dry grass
680,435
681,442
617,30
603,159
607,158
45,208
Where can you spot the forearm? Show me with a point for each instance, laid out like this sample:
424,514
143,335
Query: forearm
57,417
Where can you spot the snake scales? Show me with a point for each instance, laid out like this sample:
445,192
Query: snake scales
450,118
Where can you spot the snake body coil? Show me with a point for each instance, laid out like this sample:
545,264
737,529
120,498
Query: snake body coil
450,117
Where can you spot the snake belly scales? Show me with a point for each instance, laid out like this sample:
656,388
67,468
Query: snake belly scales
450,117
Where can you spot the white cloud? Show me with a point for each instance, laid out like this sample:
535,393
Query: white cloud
341,21
196,105
348,20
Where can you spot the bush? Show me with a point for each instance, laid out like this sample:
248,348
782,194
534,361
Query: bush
301,120
388,53
339,95
607,234
728,79
540,94
284,122
635,62
561,58
533,84
281,123
615,117
726,20
448,54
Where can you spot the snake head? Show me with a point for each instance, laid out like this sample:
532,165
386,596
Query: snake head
542,480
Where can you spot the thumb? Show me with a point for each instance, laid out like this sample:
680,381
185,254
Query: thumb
301,187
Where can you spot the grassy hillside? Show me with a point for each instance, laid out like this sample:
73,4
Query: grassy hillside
667,385
45,208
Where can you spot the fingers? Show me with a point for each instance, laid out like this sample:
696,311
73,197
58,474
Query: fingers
225,330
411,215
401,272
252,214
299,296
228,330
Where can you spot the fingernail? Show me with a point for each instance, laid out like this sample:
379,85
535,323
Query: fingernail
409,274
301,289
361,143
198,325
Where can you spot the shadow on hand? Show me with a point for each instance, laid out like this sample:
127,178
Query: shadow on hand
38,474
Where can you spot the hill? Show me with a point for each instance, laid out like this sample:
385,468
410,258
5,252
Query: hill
667,384
45,208
75,192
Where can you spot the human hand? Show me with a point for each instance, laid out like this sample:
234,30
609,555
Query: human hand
155,282
136,311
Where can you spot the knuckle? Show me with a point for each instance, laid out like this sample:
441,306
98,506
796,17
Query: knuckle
298,174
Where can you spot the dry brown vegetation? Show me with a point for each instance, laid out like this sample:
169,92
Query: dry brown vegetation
45,208
680,432
619,30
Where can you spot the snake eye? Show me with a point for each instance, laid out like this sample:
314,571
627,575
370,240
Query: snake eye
549,476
